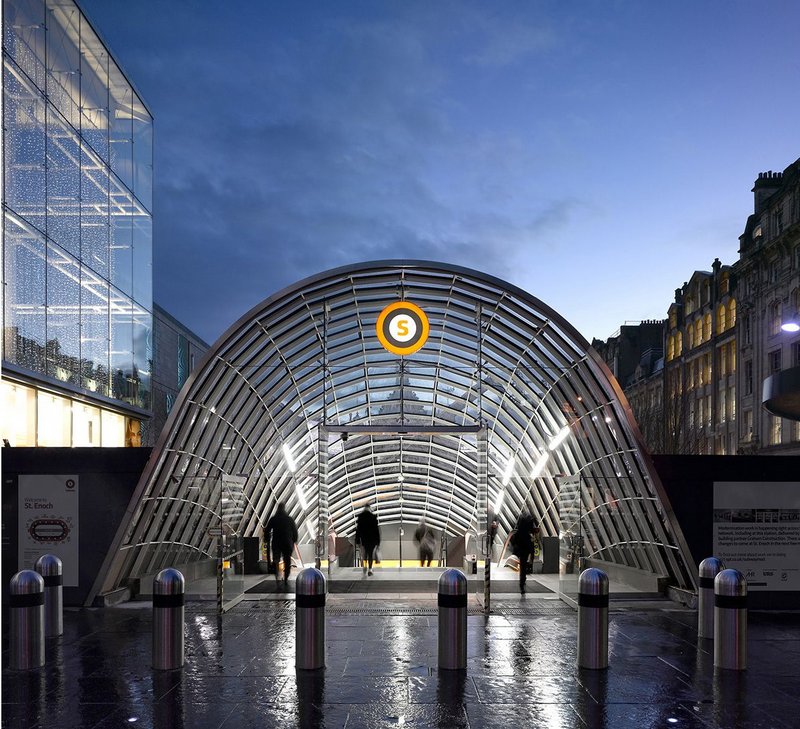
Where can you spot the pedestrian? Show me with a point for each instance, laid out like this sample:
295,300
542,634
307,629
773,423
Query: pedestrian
522,545
368,535
281,533
425,537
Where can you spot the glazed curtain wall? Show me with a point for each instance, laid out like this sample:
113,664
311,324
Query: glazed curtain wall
309,355
77,227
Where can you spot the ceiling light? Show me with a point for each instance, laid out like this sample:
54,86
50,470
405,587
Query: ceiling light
540,464
509,472
498,502
558,438
287,455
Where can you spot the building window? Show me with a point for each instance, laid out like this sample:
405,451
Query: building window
707,328
724,283
777,220
748,377
747,425
670,348
774,270
721,319
774,430
774,361
698,332
732,313
722,407
732,403
747,330
775,318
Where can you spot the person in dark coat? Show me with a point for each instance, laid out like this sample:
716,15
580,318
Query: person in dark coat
368,535
426,539
522,544
281,533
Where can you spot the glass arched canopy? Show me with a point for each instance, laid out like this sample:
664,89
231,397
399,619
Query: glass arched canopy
309,356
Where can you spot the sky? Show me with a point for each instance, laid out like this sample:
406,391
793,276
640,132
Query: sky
593,153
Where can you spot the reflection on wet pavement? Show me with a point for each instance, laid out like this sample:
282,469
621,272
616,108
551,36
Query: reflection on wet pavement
381,672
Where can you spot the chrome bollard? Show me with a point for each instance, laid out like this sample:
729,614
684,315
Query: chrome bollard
50,568
730,620
593,619
309,622
26,608
453,620
168,619
709,569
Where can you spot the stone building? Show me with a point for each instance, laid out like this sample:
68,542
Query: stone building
768,274
724,339
700,365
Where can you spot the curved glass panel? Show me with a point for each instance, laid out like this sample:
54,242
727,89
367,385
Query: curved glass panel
496,357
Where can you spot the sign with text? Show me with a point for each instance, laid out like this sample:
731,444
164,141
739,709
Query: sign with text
48,522
757,531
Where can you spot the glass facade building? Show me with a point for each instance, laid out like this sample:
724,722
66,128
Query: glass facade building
77,234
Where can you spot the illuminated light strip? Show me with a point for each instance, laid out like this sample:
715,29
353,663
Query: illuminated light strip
559,438
540,464
509,472
301,496
498,502
287,455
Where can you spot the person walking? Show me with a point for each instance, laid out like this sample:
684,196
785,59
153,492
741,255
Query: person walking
368,535
522,545
426,539
281,533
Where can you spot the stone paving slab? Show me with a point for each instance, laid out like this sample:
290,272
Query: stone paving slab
382,672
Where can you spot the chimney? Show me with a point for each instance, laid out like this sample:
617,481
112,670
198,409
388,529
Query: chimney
765,186
716,266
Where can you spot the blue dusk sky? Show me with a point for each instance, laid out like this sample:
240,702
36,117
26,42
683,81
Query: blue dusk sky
593,153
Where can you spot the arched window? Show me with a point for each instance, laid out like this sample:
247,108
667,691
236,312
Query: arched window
689,336
698,332
678,344
670,348
721,317
732,313
707,327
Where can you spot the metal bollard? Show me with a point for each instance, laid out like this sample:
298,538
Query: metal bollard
310,619
453,620
593,619
50,568
709,569
730,620
26,606
168,619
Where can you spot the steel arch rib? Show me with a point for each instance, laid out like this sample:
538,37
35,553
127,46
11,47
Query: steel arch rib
263,380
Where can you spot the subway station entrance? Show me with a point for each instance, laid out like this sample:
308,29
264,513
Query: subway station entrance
426,390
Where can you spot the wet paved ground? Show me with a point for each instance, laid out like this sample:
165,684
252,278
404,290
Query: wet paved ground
381,671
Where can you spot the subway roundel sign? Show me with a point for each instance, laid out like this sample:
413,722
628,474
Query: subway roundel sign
402,327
